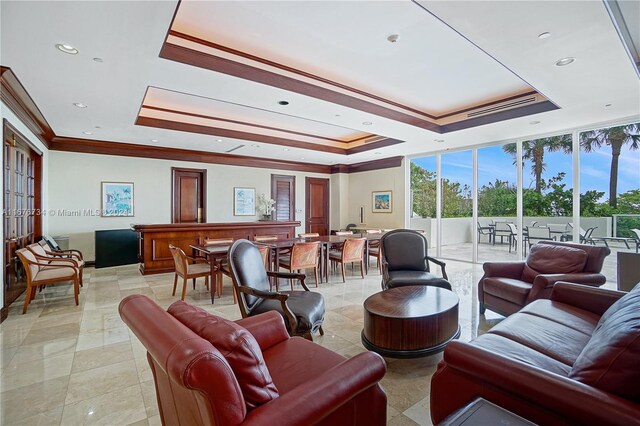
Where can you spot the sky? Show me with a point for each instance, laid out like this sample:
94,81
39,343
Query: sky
494,163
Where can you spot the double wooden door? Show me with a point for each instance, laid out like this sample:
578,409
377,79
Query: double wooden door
21,205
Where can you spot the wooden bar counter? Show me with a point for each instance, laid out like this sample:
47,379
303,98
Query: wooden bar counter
153,240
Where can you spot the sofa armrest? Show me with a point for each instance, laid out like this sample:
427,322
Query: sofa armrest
503,269
268,328
546,281
575,401
592,299
316,399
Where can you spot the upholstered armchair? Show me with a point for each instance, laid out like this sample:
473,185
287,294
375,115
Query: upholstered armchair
508,286
303,311
405,261
211,371
56,258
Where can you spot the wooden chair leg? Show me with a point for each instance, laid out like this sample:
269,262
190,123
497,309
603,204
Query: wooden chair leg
206,282
194,283
219,286
81,271
76,289
175,284
184,288
315,271
321,331
235,295
343,275
362,268
27,299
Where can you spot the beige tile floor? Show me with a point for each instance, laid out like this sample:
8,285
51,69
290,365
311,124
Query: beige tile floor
67,364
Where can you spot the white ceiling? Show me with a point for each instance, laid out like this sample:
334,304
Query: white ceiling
129,35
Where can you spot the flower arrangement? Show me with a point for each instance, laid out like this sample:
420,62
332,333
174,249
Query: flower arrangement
265,205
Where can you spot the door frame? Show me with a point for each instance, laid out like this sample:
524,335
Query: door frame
307,204
37,201
203,172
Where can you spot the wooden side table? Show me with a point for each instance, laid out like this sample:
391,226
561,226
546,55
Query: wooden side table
482,413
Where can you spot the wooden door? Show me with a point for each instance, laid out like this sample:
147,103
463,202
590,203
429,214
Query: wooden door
189,192
317,205
283,191
21,204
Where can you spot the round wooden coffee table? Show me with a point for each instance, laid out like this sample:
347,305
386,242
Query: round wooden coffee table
410,321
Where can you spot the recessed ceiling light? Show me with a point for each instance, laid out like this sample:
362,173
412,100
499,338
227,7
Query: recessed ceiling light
302,158
544,35
287,149
534,122
219,140
337,115
438,140
66,49
283,103
367,123
393,38
564,62
88,133
98,127
607,105
80,105
98,60
377,153
155,140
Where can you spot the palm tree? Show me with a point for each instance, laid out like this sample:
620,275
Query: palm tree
615,137
534,151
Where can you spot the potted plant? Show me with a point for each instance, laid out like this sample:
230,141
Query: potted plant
265,206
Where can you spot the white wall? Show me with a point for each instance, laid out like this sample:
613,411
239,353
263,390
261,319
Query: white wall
5,113
362,184
339,201
75,185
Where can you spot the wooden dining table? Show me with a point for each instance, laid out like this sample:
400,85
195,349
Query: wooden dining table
215,254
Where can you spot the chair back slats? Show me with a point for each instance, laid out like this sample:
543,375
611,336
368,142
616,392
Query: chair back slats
353,249
180,259
305,255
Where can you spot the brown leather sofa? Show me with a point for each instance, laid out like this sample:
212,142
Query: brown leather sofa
283,380
573,359
508,286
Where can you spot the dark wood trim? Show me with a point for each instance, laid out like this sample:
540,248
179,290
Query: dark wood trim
90,146
500,116
4,313
15,96
487,104
292,195
261,126
373,145
366,166
235,134
89,263
203,190
226,66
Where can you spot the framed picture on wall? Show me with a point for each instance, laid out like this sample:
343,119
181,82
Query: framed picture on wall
382,201
117,199
244,201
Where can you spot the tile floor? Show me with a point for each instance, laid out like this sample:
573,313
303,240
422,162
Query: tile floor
67,364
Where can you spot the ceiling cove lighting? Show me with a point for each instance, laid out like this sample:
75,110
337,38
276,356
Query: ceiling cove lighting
544,35
565,61
67,49
80,105
283,103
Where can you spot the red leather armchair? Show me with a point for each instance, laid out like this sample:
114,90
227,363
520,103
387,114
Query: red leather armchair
506,287
195,385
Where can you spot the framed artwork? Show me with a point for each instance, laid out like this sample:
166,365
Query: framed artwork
244,201
382,201
117,199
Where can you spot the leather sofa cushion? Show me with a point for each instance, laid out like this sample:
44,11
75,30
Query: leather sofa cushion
403,278
550,338
610,359
515,291
568,315
519,352
307,306
239,348
548,259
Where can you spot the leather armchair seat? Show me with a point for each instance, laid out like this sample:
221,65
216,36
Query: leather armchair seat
307,306
572,359
403,278
508,286
198,383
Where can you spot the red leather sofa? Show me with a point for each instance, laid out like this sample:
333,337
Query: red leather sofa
573,359
508,286
196,385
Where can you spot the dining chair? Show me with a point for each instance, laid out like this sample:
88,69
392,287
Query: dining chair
41,273
303,256
537,234
636,237
352,251
184,269
374,247
485,230
502,230
224,268
513,236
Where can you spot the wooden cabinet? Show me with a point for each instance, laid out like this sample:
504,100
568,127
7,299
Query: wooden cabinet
154,240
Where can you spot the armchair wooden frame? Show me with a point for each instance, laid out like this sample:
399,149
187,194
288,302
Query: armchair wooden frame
281,297
55,257
33,281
